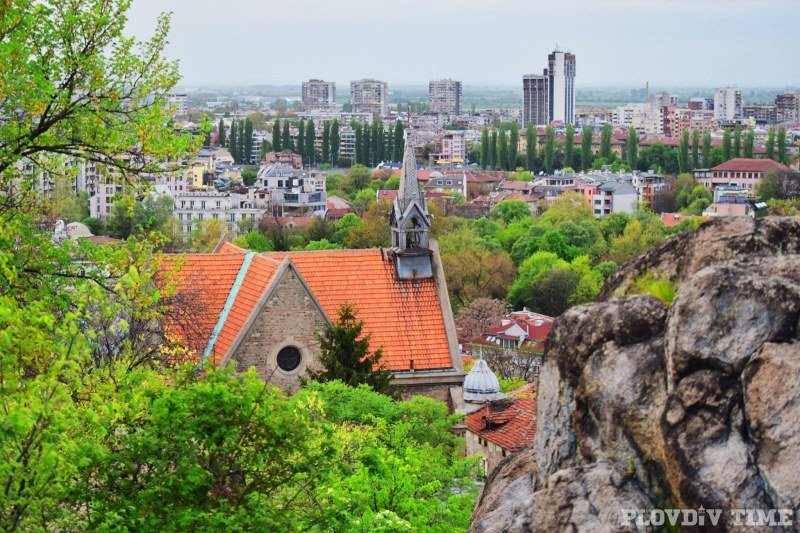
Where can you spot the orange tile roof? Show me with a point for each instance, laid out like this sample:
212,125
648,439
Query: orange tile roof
512,428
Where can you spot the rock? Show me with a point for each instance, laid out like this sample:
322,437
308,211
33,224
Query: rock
654,407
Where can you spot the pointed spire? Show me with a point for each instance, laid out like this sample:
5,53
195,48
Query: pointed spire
409,184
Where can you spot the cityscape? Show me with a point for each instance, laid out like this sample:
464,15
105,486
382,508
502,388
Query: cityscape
238,297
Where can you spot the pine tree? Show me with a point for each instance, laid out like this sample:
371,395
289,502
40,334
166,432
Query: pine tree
726,145
707,149
484,147
513,146
335,141
569,145
399,141
586,148
737,141
749,144
782,145
358,155
493,150
301,140
530,147
695,148
276,136
605,142
326,142
502,150
770,148
683,152
221,138
247,141
286,139
632,148
233,142
549,149
311,136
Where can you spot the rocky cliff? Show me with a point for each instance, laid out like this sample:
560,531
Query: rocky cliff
647,406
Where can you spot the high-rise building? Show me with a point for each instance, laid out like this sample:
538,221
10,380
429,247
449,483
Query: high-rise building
319,95
727,103
561,73
787,106
535,99
444,96
369,96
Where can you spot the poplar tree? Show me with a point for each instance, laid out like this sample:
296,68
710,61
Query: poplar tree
242,144
390,143
484,147
493,150
513,146
737,141
749,144
247,140
233,142
221,138
782,145
726,145
632,148
301,139
326,142
530,146
367,145
502,151
310,140
549,149
695,148
683,152
707,149
374,140
276,136
286,141
335,141
770,148
605,142
569,142
357,155
586,148
399,141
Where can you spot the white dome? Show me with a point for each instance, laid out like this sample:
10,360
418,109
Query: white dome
76,230
436,174
481,385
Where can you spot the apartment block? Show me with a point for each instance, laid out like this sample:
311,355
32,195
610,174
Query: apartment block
444,96
727,103
535,99
561,81
318,95
370,96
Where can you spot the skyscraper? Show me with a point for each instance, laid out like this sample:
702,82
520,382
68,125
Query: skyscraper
319,95
444,96
561,77
535,99
369,96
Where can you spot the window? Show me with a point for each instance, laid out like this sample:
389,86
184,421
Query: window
289,358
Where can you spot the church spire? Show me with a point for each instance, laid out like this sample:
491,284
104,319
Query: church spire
409,183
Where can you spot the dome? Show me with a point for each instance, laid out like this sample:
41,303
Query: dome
436,174
76,230
481,385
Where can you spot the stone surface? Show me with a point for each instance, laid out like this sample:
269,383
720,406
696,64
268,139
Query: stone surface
693,405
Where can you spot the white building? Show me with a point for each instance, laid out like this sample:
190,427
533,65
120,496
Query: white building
727,103
561,72
614,197
179,104
193,207
370,96
293,191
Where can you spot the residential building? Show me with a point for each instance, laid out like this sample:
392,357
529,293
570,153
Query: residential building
293,191
448,182
727,103
444,96
745,173
370,96
761,114
452,147
614,197
283,158
787,107
535,99
561,83
193,207
318,95
179,104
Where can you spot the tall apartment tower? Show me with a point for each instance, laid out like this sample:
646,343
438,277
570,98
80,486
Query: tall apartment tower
319,95
444,96
535,99
727,103
787,106
561,72
370,96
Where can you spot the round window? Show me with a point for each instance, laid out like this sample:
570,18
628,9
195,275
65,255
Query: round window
289,358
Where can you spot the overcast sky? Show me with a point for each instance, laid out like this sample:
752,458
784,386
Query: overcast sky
670,43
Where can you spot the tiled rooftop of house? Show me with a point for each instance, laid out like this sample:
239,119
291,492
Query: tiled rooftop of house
741,164
509,423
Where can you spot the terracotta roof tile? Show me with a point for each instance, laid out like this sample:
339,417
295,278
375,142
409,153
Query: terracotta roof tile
512,428
740,164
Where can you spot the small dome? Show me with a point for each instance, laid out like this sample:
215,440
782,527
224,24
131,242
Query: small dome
436,174
76,230
481,385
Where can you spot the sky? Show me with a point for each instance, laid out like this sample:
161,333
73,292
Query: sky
670,43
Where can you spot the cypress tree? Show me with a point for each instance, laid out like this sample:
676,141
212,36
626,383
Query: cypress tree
696,149
726,145
707,149
301,139
335,142
390,143
311,135
782,145
276,136
286,140
493,150
605,142
399,141
358,155
737,141
530,147
326,142
247,140
366,145
549,149
749,144
484,147
221,138
632,148
513,146
770,148
232,142
569,145
586,148
502,151
374,141
683,152
381,142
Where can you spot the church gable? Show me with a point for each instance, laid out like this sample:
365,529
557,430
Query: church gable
279,340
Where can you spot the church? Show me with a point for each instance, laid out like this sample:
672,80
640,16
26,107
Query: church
264,310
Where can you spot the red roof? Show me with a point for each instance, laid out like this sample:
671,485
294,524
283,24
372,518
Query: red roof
511,423
405,318
741,164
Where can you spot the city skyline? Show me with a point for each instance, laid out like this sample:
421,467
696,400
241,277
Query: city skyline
619,42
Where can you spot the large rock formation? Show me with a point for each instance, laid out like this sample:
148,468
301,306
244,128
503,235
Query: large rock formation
644,406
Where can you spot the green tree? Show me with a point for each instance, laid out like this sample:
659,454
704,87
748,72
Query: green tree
502,148
335,141
301,140
358,148
286,138
781,145
549,149
221,129
530,147
366,144
248,176
586,148
493,151
70,205
310,139
726,145
695,149
569,145
359,177
683,152
276,136
770,148
513,146
737,141
247,141
345,354
749,144
707,149
326,142
632,148
399,141
511,210
605,142
484,147
233,141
